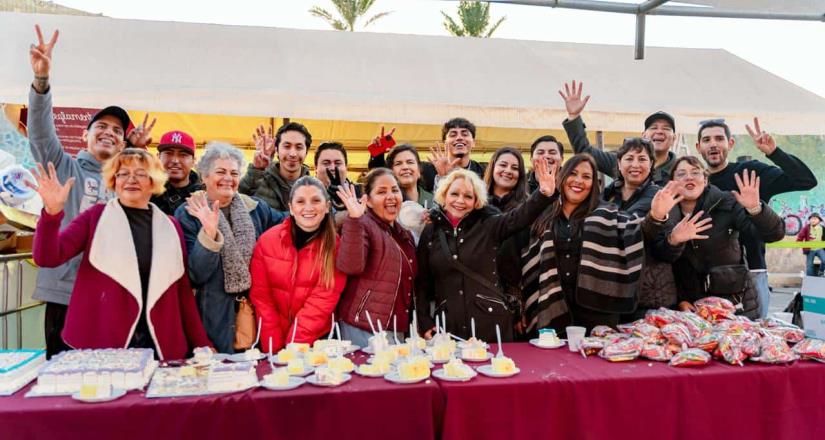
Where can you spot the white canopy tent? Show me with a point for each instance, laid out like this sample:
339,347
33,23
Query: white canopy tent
343,76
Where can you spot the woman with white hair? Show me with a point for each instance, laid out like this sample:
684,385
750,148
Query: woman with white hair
457,255
221,227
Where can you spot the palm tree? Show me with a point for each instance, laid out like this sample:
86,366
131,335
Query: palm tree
475,20
349,11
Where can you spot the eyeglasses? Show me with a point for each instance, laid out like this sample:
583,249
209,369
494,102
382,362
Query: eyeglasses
683,175
138,175
712,121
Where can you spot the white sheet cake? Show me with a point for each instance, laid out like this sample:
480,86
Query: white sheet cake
18,368
127,369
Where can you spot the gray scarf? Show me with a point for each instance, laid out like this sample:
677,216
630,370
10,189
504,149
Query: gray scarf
238,243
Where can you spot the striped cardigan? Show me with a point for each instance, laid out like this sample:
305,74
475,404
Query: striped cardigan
611,261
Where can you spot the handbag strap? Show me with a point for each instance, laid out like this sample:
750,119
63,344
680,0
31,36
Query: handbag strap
462,268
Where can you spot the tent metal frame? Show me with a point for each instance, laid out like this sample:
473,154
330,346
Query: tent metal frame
658,7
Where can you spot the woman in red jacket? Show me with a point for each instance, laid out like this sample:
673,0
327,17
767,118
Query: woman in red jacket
293,270
378,255
132,289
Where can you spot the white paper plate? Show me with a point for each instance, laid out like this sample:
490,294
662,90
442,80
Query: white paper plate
313,380
440,374
275,360
239,357
394,377
358,372
116,394
535,342
484,359
438,361
294,382
487,370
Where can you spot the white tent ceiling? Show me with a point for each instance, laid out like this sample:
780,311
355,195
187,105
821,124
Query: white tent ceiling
237,70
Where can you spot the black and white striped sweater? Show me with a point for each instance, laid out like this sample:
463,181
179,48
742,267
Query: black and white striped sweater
612,255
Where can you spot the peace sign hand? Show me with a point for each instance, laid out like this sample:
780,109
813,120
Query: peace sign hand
763,140
665,200
40,54
545,177
439,159
573,101
748,194
264,147
141,136
355,207
54,194
689,229
197,206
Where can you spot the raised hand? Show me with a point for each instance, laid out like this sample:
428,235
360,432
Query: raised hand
264,147
141,136
381,144
689,229
573,101
197,206
40,56
665,200
545,177
54,194
440,160
355,207
763,140
748,194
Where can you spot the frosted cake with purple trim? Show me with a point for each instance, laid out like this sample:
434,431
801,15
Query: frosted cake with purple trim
231,377
127,369
18,368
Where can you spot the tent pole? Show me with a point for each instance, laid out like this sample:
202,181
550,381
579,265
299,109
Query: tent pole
640,36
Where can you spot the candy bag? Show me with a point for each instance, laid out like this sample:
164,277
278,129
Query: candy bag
774,350
628,328
623,350
660,317
691,357
714,308
648,332
656,352
790,334
707,342
813,349
694,323
730,350
677,334
601,331
591,345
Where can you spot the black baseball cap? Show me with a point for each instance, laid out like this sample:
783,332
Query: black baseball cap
115,111
660,115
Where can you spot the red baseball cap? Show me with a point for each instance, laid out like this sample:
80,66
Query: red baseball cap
177,139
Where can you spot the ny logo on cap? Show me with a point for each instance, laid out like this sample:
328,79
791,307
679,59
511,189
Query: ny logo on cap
177,138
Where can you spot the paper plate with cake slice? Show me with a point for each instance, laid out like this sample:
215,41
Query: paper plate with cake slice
537,343
371,370
468,375
247,356
488,371
395,377
474,357
99,398
291,383
326,382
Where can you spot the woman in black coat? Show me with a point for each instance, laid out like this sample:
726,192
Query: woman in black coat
457,255
712,264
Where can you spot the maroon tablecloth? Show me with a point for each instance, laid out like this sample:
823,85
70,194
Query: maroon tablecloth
363,408
559,394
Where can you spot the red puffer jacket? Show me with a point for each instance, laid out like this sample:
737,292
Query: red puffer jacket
380,274
286,285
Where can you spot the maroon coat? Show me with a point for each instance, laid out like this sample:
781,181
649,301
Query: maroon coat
805,235
106,301
374,263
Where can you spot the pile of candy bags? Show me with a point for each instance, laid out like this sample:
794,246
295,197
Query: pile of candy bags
686,339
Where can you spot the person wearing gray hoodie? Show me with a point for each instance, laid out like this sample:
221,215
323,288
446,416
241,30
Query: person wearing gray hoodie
105,136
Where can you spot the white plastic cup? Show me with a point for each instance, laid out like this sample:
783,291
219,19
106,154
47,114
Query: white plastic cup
784,316
575,335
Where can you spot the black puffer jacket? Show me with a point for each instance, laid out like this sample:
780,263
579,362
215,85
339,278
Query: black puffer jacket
693,260
475,242
173,197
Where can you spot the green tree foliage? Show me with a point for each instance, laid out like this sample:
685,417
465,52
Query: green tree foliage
349,12
473,20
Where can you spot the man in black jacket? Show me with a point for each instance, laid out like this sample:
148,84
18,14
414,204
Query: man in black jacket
790,174
177,154
458,135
